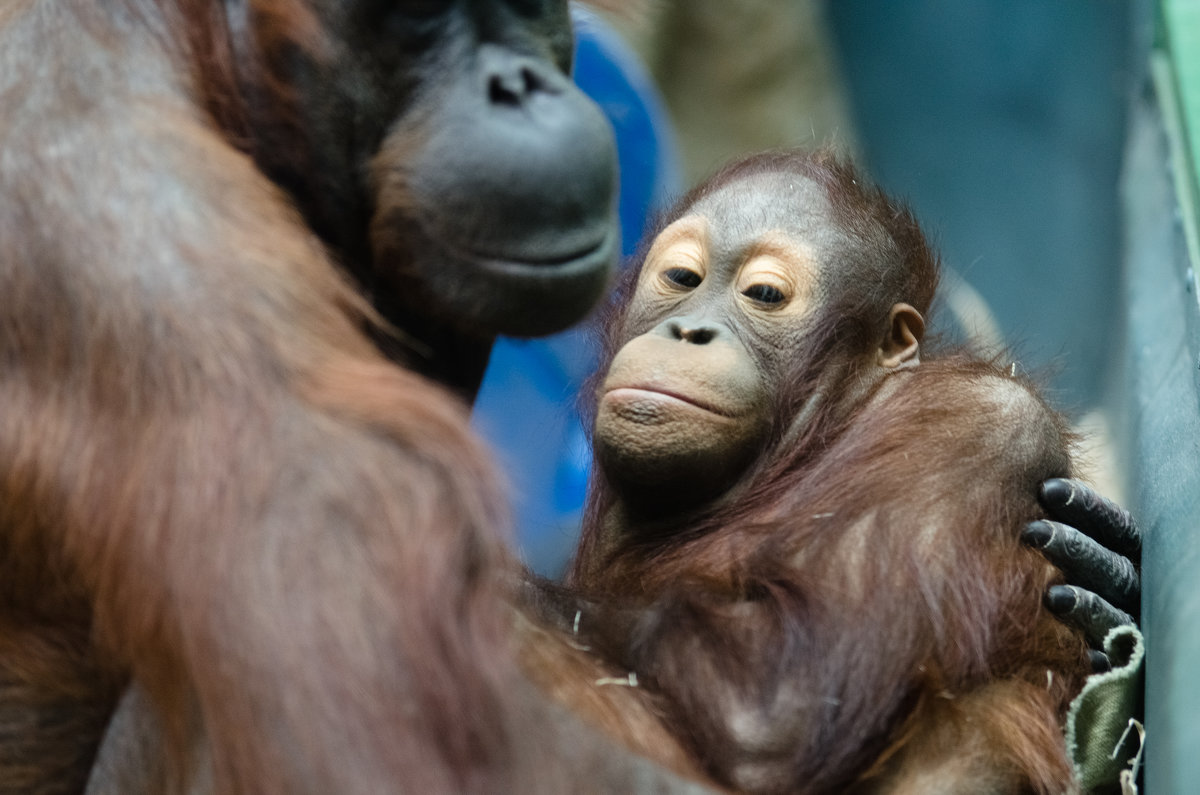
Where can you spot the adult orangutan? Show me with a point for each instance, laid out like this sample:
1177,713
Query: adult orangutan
804,539
213,484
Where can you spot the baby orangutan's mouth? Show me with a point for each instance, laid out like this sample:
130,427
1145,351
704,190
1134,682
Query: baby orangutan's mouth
648,399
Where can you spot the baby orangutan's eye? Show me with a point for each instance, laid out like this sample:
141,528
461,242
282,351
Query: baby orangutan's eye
764,294
684,277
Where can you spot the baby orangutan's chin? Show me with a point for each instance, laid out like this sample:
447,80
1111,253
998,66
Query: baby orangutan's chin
657,450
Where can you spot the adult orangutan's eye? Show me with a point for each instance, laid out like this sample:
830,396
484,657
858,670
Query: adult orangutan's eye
684,277
764,294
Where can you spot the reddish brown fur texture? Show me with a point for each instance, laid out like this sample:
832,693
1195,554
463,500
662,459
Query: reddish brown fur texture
863,616
212,484
163,409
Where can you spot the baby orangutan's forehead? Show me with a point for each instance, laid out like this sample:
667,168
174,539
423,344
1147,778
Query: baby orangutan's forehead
786,202
741,214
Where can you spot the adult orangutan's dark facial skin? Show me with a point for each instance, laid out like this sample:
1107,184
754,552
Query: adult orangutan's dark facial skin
488,176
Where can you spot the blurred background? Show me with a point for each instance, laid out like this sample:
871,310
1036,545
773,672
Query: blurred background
1002,122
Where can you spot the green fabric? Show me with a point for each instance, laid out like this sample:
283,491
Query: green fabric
1104,737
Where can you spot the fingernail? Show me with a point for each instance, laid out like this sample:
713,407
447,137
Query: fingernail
1037,534
1056,491
1060,599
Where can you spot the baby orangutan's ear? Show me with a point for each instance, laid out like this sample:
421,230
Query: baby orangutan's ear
901,344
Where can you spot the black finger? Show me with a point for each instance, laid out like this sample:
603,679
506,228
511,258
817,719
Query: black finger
1087,611
1099,660
1086,563
1074,503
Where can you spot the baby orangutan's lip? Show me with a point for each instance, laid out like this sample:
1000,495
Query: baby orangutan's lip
632,394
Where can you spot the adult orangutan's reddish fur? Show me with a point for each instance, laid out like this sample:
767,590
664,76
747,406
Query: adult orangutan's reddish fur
137,446
213,485
861,616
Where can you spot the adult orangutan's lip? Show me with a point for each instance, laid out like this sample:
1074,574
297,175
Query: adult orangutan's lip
602,240
514,262
658,393
498,292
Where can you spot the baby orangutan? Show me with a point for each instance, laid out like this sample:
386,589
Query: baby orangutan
804,536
